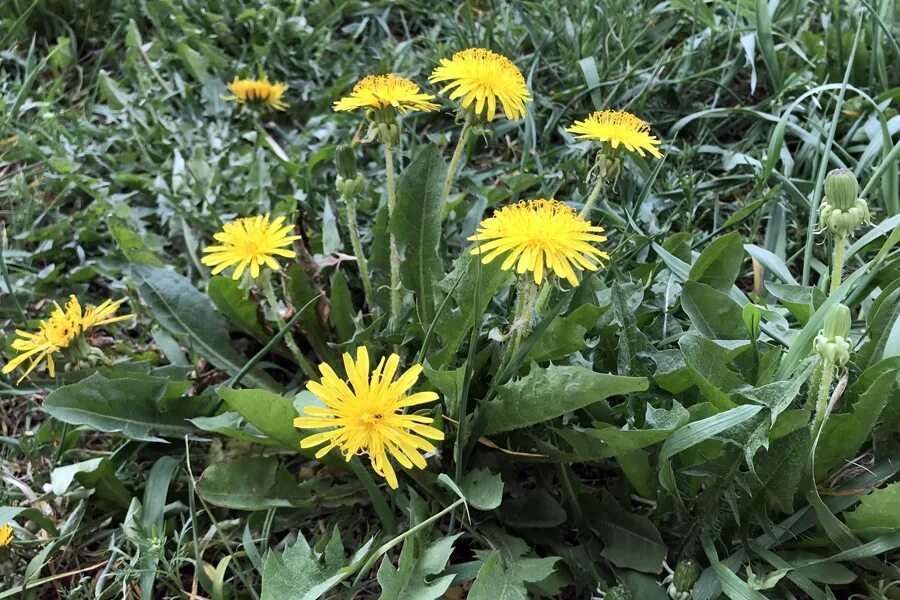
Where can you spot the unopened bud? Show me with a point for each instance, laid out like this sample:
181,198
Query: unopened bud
833,342
345,160
837,321
619,592
842,222
683,579
841,189
350,188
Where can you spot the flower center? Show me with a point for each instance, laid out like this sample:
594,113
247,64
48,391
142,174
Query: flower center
371,418
251,247
60,334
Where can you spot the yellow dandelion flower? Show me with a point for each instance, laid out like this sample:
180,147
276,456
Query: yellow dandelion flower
251,241
6,535
617,127
379,92
540,235
101,315
258,91
366,416
59,331
483,77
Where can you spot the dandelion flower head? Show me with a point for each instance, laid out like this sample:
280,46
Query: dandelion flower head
483,78
364,415
540,236
381,92
617,128
57,332
250,242
6,535
257,91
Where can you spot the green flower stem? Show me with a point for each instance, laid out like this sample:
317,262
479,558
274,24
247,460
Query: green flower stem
837,265
823,394
358,251
526,301
260,188
395,255
454,164
379,502
595,193
384,548
272,299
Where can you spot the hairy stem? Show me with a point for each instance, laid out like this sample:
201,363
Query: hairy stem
395,255
837,264
595,193
358,251
526,302
822,395
272,299
454,164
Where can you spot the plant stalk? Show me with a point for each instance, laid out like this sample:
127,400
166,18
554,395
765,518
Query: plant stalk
595,193
454,164
358,251
526,301
395,254
379,502
384,548
822,395
837,264
272,299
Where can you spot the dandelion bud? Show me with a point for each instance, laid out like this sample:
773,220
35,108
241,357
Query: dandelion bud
345,159
619,592
837,321
842,210
833,341
841,189
350,188
683,579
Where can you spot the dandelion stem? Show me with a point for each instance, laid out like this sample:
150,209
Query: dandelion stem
395,255
526,301
265,350
379,502
837,265
358,251
272,299
595,193
454,164
384,548
822,394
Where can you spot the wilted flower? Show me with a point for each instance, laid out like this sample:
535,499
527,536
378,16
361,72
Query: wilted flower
833,341
367,417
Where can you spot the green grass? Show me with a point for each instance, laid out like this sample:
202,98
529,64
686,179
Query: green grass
119,156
